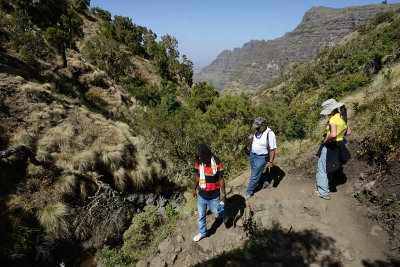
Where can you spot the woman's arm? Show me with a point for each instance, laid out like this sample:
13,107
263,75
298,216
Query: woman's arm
332,134
348,132
196,183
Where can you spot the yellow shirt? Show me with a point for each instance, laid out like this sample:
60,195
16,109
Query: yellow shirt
341,127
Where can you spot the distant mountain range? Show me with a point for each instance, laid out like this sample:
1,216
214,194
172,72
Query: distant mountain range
257,63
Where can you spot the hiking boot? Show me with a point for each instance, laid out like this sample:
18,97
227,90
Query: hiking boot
198,237
316,194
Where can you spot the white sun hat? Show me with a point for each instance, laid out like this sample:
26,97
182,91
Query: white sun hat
330,105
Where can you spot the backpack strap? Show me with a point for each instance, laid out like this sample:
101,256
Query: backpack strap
268,139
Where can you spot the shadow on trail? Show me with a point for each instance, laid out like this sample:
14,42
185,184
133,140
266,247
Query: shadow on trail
235,206
337,178
390,263
235,210
274,177
280,247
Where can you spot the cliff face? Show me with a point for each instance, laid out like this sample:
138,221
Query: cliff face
263,61
219,70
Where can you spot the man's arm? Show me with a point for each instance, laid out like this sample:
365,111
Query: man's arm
222,186
270,163
196,183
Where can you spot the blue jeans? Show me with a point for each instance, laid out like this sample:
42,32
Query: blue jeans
322,176
257,164
213,205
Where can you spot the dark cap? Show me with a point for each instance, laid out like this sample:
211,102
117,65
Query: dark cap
258,122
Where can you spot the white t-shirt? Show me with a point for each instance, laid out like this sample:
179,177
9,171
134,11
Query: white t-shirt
259,145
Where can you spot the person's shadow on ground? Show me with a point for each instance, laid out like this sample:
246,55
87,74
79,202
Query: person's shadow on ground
336,178
234,207
274,177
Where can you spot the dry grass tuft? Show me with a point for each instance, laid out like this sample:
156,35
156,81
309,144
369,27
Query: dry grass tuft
112,156
54,140
22,137
120,178
54,218
140,178
83,192
84,161
35,170
67,185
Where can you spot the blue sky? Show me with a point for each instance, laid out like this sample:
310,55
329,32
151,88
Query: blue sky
204,28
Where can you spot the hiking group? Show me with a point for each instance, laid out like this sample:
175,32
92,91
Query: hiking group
210,175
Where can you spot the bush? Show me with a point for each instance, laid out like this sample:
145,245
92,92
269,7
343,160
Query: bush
141,232
103,14
383,128
202,95
111,257
108,56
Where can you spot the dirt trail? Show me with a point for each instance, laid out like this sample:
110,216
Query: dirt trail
293,228
356,236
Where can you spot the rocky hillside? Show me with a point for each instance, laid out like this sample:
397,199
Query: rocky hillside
218,72
73,173
264,61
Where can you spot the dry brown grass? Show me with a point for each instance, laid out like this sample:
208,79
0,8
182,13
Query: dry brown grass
112,157
84,161
67,184
54,218
120,178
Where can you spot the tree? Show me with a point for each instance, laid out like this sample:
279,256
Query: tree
186,70
81,5
64,34
202,95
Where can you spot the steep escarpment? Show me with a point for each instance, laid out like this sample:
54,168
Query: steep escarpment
320,27
218,72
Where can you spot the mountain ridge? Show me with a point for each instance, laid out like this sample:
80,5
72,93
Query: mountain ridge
320,27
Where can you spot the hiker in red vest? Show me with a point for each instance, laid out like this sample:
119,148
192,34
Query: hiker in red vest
210,180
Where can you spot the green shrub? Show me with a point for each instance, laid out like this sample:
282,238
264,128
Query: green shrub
141,232
383,127
202,95
95,99
103,14
108,56
111,257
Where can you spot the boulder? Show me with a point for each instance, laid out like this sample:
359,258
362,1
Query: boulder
157,262
167,246
142,263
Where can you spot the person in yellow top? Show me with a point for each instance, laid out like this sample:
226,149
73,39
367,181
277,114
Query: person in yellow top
333,152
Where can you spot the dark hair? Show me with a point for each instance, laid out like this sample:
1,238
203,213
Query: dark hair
204,154
343,113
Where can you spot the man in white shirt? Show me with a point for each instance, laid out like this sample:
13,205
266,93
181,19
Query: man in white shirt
262,153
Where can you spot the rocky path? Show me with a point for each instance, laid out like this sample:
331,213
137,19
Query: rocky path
280,226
